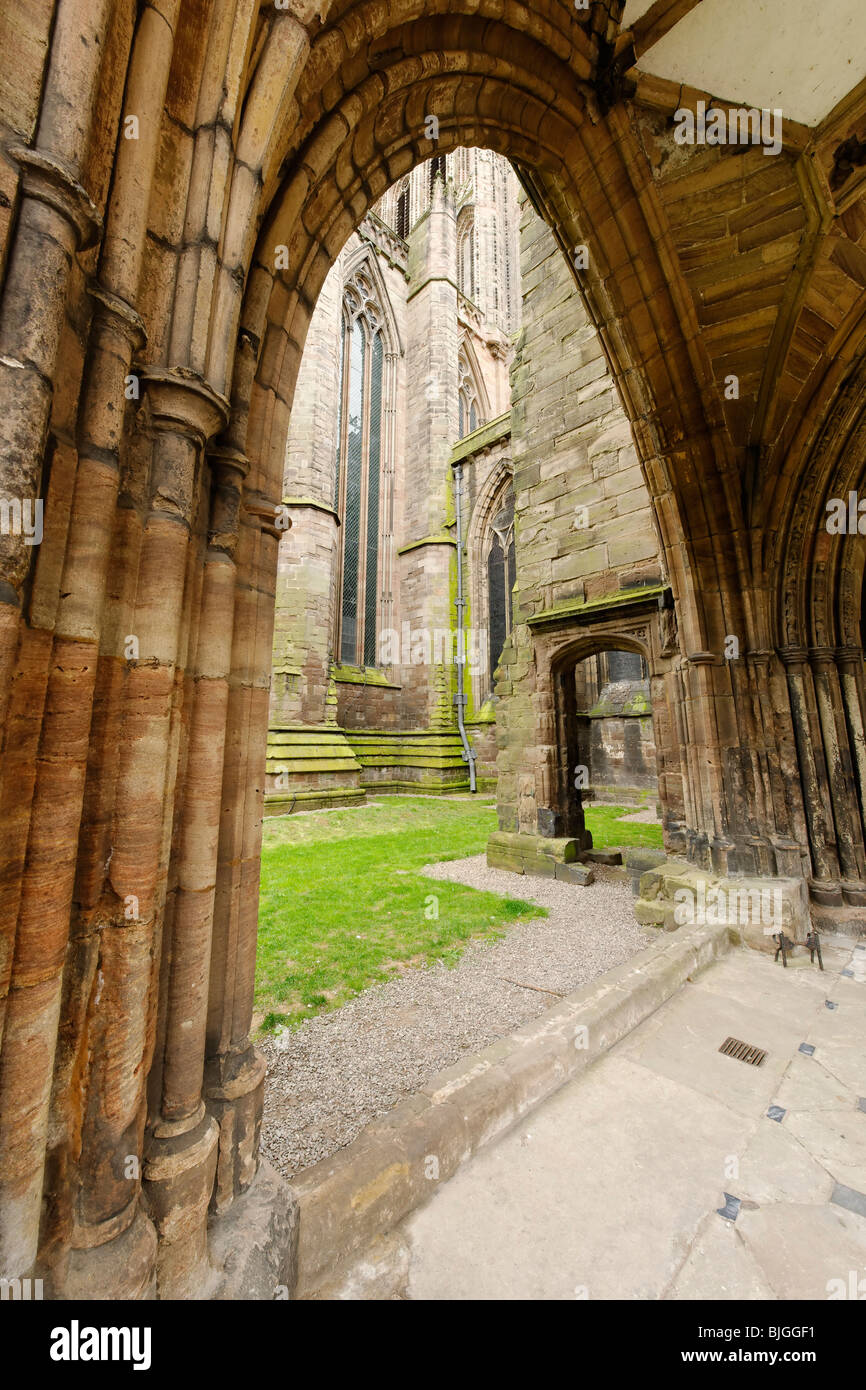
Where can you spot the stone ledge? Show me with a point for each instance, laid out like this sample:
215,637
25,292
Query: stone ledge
348,1203
636,600
675,892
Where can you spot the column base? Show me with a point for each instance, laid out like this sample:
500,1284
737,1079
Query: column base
253,1245
178,1181
122,1268
235,1090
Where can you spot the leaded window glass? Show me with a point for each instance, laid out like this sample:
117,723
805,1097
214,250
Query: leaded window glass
501,575
358,470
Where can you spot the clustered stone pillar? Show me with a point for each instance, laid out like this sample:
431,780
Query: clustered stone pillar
56,221
182,1136
180,413
235,1071
849,661
825,688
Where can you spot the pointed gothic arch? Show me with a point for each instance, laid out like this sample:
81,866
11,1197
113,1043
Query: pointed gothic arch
491,581
473,401
466,251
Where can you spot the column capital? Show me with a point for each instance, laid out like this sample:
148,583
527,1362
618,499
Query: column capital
229,468
181,400
46,179
792,656
229,465
119,314
822,656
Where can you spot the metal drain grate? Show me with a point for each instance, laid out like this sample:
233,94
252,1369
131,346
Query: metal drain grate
743,1052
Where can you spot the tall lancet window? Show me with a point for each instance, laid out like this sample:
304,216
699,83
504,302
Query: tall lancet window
402,217
467,399
466,252
358,472
501,574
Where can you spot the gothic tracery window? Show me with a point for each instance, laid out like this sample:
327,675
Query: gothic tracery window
358,470
466,253
467,399
501,575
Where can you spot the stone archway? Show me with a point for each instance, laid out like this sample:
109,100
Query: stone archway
559,647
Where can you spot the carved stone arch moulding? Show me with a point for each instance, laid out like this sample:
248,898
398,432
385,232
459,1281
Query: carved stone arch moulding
805,557
571,650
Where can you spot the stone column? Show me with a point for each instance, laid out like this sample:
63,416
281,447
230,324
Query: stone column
705,837
112,1241
752,809
426,562
787,829
825,887
235,1071
680,714
850,663
846,811
56,220
181,1154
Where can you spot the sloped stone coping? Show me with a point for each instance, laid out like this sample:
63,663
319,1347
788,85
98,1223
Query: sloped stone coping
361,1193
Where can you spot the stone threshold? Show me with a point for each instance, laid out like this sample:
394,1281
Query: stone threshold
349,1203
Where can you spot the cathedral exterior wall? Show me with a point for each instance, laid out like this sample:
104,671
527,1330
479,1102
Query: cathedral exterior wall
585,535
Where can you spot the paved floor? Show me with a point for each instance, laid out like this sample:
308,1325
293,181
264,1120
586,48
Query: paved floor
612,1188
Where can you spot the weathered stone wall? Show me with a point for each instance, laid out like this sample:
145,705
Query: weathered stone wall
584,523
616,738
622,758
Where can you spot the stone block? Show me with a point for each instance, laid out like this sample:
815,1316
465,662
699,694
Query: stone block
580,874
254,1244
539,866
498,857
649,914
535,1071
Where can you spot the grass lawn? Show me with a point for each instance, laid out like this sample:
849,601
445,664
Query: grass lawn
343,904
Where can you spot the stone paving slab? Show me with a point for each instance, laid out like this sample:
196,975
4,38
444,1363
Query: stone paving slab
612,1228
612,1188
719,1267
353,1200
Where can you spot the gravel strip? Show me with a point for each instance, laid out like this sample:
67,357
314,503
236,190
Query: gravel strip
337,1072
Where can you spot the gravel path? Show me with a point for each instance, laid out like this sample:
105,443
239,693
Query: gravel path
646,816
341,1070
